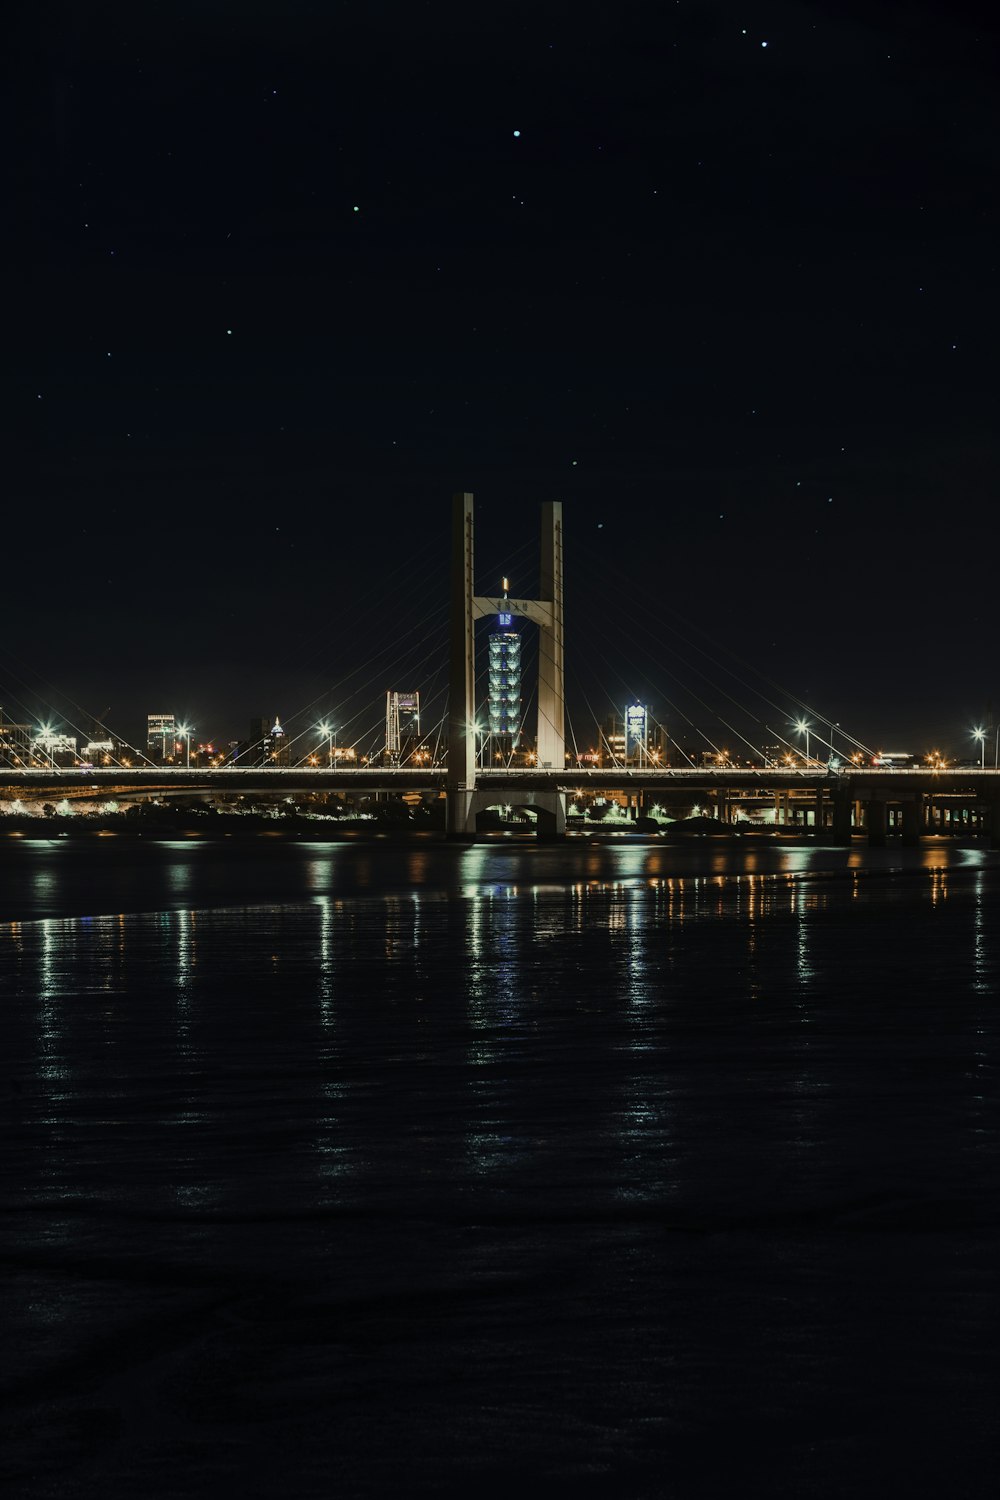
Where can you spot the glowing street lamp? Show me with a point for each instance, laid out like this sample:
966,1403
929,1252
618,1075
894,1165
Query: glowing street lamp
803,726
45,735
980,735
328,732
185,731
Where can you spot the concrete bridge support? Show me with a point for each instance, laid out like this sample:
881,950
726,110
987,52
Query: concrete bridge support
993,816
463,809
876,820
913,821
843,810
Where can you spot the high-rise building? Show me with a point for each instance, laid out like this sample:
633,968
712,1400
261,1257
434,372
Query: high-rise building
504,707
268,744
15,744
161,736
402,726
636,734
632,739
612,741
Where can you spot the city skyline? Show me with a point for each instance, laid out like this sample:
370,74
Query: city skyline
635,733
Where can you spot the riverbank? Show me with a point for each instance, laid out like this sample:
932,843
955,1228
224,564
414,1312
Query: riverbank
170,826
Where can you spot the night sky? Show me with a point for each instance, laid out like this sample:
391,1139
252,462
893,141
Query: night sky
721,278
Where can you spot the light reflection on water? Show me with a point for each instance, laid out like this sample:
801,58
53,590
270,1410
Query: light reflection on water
326,983
490,972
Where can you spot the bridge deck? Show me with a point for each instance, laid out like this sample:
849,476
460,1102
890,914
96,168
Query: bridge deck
862,783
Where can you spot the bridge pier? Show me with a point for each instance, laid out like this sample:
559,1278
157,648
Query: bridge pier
993,821
463,808
458,813
913,820
843,809
875,820
550,810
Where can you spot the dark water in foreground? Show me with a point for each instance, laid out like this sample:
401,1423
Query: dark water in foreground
406,1170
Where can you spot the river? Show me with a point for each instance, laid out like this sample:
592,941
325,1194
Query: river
380,1168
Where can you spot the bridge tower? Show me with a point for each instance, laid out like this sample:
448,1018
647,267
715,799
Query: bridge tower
465,800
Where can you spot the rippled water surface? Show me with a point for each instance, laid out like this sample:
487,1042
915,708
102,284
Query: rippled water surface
405,1169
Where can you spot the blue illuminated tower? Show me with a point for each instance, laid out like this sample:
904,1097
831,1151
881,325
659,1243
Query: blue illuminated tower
505,682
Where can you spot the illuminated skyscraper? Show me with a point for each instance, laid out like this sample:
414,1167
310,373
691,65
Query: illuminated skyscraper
15,743
161,734
636,734
267,746
402,726
505,682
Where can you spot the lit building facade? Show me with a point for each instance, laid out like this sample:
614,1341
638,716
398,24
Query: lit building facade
504,706
161,736
99,753
636,734
15,744
51,749
633,739
402,726
268,744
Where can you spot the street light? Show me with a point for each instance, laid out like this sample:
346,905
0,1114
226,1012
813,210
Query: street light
980,735
328,732
46,734
185,730
803,726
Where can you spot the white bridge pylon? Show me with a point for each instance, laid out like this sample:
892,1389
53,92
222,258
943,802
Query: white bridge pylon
464,801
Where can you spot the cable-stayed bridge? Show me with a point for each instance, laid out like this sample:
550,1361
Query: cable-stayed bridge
833,796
